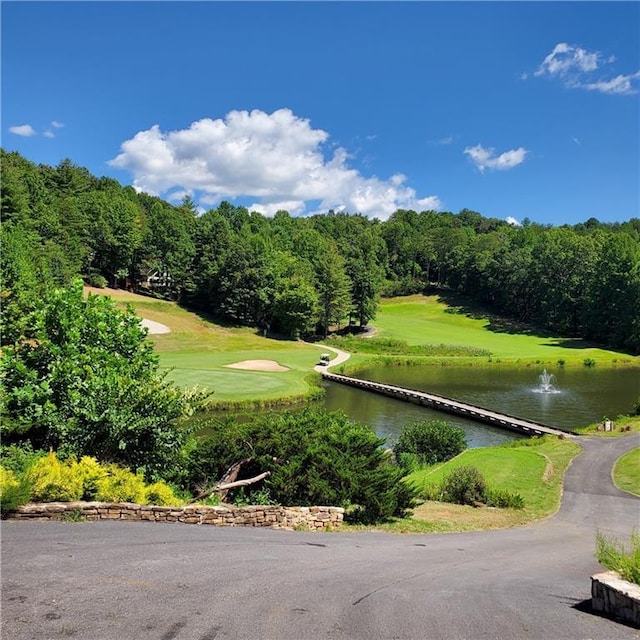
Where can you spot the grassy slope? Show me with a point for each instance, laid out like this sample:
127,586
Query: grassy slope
626,472
198,349
534,469
427,319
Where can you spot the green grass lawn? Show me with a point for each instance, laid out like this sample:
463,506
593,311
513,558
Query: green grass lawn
422,319
626,472
210,369
197,349
534,468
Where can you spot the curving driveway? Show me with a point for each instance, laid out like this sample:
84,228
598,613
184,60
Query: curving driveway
113,580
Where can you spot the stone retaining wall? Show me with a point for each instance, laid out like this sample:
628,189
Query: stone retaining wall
612,595
310,518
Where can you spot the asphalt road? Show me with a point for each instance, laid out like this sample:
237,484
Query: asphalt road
112,580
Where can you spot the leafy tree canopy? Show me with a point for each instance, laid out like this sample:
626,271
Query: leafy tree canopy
85,381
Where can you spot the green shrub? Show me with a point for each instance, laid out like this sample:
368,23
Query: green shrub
87,382
51,480
504,499
120,485
97,280
14,491
409,462
8,481
431,441
212,500
636,407
613,555
160,493
314,457
464,485
589,362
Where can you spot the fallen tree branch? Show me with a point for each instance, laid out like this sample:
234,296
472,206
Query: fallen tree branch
241,483
228,481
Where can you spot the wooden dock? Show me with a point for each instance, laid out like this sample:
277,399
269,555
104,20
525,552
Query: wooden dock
447,405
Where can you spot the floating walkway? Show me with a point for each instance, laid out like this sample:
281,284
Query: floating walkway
447,405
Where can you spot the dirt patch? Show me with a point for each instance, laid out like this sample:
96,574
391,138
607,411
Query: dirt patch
258,365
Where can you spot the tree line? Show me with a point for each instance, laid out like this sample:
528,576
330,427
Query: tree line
296,276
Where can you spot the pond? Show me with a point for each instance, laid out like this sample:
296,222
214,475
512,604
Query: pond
575,397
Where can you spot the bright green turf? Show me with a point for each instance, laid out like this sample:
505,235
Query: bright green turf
425,320
208,369
533,468
508,468
626,472
197,350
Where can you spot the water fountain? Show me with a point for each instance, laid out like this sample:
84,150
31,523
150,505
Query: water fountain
546,381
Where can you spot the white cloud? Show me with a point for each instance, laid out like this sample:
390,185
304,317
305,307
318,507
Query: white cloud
56,124
566,59
576,68
49,134
276,158
25,130
487,158
619,84
512,221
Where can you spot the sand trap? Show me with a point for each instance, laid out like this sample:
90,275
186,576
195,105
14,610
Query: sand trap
258,365
155,327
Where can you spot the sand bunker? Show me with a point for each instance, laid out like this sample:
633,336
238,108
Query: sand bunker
258,365
154,327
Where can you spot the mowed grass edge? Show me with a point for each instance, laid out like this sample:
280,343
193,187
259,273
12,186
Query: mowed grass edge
626,472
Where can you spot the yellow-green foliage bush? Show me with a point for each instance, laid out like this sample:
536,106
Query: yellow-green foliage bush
120,485
89,470
8,481
161,494
52,480
13,490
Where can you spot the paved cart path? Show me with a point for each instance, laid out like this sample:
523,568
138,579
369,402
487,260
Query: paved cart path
118,580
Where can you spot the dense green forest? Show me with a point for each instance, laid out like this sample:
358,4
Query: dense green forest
294,276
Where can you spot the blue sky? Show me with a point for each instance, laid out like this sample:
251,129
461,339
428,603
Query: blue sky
512,109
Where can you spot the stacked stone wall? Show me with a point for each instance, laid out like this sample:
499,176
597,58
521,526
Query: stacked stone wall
614,596
273,517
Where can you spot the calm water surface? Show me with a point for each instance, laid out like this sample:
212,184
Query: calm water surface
579,396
